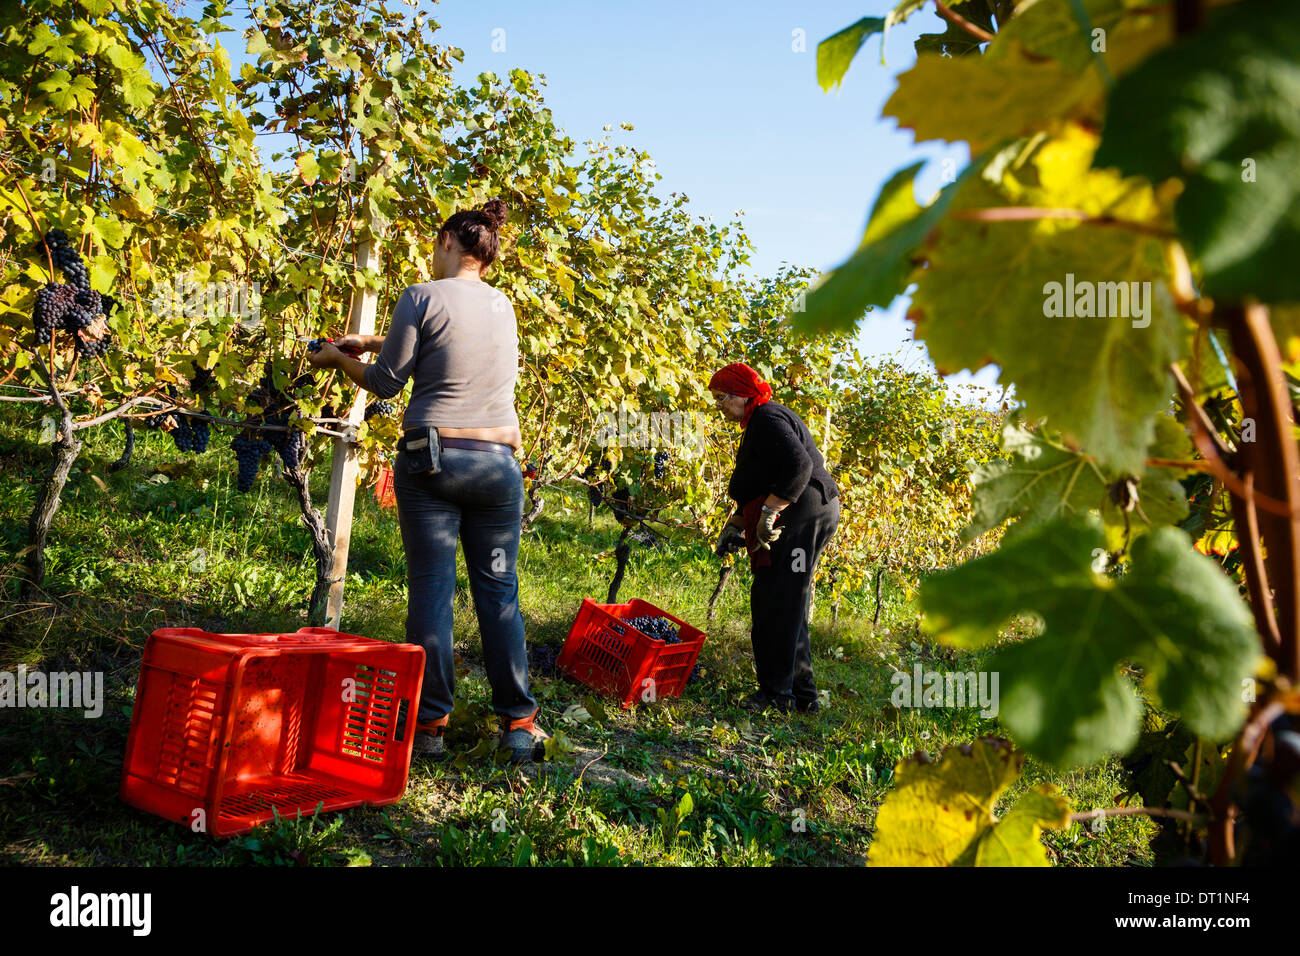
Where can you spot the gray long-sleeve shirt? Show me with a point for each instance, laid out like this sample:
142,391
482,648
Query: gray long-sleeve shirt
459,341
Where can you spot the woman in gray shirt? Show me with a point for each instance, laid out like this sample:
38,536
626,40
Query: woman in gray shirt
456,338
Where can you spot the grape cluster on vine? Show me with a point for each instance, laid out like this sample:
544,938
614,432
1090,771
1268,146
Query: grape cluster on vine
191,435
290,445
73,306
661,464
382,408
660,628
249,452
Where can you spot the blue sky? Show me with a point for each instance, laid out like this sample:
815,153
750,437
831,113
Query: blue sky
729,108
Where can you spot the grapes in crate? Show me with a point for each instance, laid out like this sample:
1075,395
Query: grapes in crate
660,628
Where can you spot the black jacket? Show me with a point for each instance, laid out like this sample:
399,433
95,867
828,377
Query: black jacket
777,456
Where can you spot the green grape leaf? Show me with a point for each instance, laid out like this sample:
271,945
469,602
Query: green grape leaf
55,48
308,168
836,52
999,293
67,94
942,814
1174,614
1041,482
1218,110
1054,30
957,40
878,272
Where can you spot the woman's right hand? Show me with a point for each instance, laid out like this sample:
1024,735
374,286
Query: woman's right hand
362,343
731,539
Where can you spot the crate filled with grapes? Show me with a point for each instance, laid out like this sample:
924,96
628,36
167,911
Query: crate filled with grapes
634,651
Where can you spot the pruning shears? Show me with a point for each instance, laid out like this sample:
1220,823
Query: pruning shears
345,349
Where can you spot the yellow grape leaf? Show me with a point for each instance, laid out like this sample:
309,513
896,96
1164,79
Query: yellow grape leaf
941,814
1065,179
984,101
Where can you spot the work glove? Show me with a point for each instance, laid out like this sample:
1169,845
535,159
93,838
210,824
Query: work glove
766,532
731,539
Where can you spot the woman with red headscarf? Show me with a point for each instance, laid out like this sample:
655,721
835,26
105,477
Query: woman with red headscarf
787,508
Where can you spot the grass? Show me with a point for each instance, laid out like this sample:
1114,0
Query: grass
695,781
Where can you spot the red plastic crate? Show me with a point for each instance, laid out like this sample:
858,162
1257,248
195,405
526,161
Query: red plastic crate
385,494
611,656
239,725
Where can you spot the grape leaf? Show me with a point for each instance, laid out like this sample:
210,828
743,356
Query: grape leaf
836,52
984,299
1053,29
941,814
1019,87
1042,482
1218,110
308,168
1174,614
67,94
983,101
957,40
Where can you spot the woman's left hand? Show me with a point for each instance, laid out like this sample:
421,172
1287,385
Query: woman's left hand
327,356
766,532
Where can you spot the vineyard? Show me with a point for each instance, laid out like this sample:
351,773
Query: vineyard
1111,550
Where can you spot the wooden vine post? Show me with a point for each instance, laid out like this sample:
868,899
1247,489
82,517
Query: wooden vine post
343,473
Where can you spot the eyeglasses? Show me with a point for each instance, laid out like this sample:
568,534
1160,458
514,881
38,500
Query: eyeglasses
719,399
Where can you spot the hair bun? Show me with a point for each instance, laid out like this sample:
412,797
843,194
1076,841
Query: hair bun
494,210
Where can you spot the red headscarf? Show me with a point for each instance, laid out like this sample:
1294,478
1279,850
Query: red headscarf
739,379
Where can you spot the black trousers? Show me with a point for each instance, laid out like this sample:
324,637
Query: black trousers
778,603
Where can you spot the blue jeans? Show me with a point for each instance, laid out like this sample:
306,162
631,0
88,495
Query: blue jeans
479,497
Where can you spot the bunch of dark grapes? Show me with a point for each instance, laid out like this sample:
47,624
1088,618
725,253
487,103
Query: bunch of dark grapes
75,306
661,464
660,628
67,260
646,538
313,345
51,304
543,658
249,452
191,435
167,420
155,422
202,379
380,408
291,448
291,445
